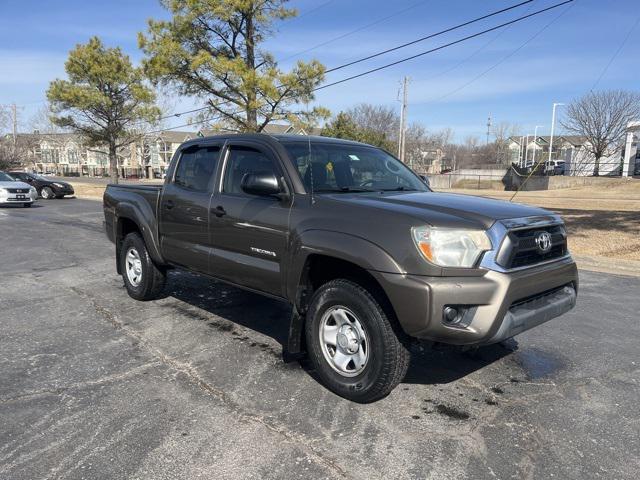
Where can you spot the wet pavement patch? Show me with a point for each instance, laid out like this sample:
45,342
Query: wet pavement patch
537,363
451,412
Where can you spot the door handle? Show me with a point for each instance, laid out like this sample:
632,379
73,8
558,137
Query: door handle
219,211
169,204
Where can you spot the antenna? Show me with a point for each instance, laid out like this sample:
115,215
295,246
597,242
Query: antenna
309,166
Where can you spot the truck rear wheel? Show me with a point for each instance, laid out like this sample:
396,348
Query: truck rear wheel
352,343
142,278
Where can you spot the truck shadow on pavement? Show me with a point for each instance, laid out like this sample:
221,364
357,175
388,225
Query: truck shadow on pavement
270,317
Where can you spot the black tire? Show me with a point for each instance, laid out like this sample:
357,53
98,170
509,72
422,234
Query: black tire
388,356
59,196
153,279
26,205
47,193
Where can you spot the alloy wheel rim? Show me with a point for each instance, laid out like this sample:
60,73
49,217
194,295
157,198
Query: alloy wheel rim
344,342
133,267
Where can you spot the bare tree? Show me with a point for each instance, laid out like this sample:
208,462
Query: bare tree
4,119
471,142
501,133
602,118
376,118
417,146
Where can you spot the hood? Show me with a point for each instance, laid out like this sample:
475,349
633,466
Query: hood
448,208
15,185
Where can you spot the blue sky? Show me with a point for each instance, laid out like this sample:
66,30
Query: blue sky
457,87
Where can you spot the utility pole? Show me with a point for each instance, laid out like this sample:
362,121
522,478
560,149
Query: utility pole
488,128
403,120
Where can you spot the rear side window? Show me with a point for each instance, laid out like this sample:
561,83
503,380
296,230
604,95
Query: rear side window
244,160
196,167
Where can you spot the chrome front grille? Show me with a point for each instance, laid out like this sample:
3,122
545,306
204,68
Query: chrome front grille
520,249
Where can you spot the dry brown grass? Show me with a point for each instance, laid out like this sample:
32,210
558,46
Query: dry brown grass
88,190
603,221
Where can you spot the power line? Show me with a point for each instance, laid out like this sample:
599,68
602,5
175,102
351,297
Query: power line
476,52
422,39
359,29
613,57
178,114
499,62
441,47
310,11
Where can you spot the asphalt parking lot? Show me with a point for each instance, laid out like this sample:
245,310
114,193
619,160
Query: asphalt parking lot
97,385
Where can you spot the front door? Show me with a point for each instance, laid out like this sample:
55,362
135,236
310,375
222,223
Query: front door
249,232
184,208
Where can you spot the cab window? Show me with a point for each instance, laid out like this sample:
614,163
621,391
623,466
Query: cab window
244,160
196,167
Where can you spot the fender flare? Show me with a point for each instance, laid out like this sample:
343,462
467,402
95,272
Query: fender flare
342,246
139,214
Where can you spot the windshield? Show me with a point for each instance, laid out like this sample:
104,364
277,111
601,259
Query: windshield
39,177
5,178
341,167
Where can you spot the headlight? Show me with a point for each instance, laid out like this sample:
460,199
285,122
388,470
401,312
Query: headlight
450,247
59,185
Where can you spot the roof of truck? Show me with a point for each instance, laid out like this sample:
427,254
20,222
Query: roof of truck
279,138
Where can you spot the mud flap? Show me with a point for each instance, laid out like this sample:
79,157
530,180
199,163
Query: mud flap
295,349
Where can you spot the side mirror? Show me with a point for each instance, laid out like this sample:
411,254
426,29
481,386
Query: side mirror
260,183
425,179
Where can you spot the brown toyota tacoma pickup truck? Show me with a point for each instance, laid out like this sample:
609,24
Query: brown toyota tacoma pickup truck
367,255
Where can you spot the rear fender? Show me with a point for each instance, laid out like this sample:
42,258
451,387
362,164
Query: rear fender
145,218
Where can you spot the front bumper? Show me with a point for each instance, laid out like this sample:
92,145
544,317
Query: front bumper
499,305
13,199
66,190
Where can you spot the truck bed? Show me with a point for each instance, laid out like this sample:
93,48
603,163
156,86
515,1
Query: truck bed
141,199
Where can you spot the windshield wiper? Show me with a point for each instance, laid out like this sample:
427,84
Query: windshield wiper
399,189
344,190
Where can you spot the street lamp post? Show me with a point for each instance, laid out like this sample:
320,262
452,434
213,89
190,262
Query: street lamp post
535,143
553,124
520,150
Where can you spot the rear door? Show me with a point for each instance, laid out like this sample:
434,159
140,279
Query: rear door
184,208
249,232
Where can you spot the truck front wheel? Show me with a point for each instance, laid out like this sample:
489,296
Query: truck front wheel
142,278
352,343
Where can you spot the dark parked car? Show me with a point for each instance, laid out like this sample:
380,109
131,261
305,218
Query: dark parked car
369,257
46,187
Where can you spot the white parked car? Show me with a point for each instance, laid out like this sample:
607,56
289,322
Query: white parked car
13,192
